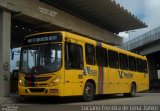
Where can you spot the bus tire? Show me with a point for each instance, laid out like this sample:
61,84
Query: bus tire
89,92
133,91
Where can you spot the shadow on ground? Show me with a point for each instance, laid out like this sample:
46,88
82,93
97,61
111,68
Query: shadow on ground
64,100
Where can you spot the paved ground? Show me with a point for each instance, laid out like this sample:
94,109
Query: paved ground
105,103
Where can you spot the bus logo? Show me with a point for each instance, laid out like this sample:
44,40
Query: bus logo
89,71
125,75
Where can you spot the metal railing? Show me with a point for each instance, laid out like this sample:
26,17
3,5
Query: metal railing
142,40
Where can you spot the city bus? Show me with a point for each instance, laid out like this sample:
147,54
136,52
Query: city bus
64,64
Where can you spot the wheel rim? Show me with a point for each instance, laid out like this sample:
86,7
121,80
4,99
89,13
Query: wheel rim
133,91
88,91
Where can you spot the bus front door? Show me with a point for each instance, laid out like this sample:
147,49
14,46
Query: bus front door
74,69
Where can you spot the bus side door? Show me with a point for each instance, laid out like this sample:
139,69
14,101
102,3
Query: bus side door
73,68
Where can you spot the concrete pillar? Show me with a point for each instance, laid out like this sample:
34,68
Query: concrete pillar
5,38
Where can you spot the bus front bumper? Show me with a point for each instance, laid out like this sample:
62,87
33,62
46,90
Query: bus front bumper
39,91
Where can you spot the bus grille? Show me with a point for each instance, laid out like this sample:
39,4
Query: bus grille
38,79
36,89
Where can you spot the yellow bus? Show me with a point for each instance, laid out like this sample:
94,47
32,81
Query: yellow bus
65,64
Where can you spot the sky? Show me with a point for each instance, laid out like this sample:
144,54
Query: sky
147,11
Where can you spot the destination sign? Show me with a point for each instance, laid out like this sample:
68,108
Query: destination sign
43,38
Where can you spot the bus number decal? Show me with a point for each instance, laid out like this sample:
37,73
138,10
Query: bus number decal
125,75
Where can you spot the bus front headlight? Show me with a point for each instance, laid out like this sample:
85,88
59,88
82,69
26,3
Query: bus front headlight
54,82
21,82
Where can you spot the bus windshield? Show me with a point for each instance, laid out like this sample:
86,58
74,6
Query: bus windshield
40,59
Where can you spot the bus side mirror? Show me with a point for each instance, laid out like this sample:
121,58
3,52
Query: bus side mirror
15,75
12,55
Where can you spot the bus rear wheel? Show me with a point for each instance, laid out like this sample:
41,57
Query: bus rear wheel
89,92
133,91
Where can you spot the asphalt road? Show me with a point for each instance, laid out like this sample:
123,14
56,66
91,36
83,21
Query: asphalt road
143,101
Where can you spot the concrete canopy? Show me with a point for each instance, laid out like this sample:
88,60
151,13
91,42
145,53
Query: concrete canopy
97,19
103,13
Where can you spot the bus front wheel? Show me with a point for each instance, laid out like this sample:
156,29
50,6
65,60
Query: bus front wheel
89,92
133,91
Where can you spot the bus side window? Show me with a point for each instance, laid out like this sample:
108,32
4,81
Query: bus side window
113,59
123,59
73,56
101,56
145,69
139,65
132,63
90,54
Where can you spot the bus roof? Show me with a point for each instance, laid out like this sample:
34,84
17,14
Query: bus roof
105,45
91,41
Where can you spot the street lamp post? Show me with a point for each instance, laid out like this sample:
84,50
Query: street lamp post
129,36
129,39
